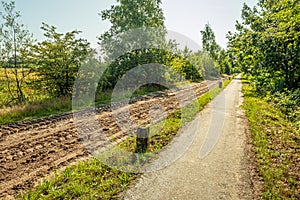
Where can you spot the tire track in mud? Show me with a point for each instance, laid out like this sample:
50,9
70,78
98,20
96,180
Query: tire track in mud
31,150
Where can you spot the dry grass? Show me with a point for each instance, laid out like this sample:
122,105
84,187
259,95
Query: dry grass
36,109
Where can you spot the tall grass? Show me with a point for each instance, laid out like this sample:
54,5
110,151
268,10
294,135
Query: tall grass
36,109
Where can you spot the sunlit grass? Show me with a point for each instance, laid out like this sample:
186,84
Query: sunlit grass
276,144
85,180
31,110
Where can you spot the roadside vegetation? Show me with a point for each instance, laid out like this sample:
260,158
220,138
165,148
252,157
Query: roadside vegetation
276,142
92,179
37,77
86,180
265,47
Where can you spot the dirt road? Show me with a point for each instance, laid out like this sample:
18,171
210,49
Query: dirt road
222,174
31,150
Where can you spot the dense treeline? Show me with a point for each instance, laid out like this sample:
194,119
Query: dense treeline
266,48
33,70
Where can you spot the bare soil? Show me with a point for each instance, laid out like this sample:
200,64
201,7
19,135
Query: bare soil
31,150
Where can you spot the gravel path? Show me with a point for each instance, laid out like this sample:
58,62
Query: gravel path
207,171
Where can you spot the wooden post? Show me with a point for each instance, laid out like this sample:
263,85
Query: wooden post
142,140
220,84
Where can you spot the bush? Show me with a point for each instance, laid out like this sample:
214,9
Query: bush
288,102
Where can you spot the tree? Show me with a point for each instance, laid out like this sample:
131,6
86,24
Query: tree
266,44
131,22
224,62
137,27
58,59
209,43
14,42
217,54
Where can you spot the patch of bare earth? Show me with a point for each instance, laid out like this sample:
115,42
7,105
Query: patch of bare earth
30,151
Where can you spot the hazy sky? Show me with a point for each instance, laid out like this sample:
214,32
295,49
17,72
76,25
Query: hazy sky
186,17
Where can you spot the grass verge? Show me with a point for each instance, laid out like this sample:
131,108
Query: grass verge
277,147
93,180
86,180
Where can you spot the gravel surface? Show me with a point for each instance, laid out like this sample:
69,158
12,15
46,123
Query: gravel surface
214,166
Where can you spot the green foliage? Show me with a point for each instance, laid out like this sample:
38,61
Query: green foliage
86,180
205,65
58,58
276,145
132,17
153,57
184,65
217,54
288,102
14,42
209,42
266,44
136,38
224,62
127,61
131,14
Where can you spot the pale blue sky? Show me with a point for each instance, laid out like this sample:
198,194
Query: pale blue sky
187,17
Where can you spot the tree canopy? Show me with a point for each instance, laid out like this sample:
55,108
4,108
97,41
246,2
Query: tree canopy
58,58
217,54
132,21
137,37
209,43
266,44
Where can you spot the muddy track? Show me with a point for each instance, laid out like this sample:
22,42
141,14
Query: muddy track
33,149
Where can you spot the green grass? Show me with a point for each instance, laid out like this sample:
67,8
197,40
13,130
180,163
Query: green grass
86,180
93,180
172,124
32,110
277,147
38,102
